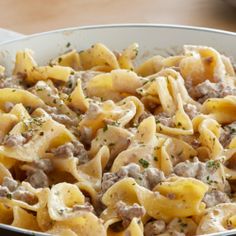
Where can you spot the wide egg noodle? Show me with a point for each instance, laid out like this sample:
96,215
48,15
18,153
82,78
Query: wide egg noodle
209,130
26,65
85,224
171,150
141,147
135,228
221,109
125,59
98,56
77,98
50,95
69,59
62,198
119,114
207,61
156,203
116,138
16,96
40,194
90,172
216,219
23,219
38,145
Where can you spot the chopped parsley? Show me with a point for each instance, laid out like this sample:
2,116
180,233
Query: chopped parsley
39,89
213,165
69,99
105,128
232,129
183,224
60,211
9,196
136,51
144,163
155,158
115,123
145,82
210,181
180,153
179,124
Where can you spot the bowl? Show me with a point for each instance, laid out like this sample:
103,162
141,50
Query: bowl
153,39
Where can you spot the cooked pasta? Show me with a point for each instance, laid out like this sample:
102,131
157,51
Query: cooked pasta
95,144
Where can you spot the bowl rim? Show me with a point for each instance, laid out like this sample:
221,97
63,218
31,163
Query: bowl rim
128,25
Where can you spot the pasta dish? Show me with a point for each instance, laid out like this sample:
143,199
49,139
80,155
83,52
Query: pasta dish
94,143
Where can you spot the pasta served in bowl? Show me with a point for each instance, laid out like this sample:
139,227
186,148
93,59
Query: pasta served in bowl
94,143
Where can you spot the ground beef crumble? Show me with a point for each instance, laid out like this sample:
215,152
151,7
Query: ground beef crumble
127,213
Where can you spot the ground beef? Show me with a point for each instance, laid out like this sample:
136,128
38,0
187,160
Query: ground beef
8,106
149,178
144,116
86,207
191,110
187,168
85,76
43,164
27,135
207,172
10,183
164,119
64,119
227,134
153,177
154,228
195,143
72,149
208,89
93,111
12,82
11,190
4,191
85,134
64,151
23,195
50,110
14,140
215,197
38,179
35,172
109,179
177,227
127,213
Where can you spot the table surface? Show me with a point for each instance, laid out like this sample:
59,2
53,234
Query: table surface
29,16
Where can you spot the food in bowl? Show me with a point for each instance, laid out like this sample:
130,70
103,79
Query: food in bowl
94,144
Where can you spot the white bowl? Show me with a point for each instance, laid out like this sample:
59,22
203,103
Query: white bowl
153,39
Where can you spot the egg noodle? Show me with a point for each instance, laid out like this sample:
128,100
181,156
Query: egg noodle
95,144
